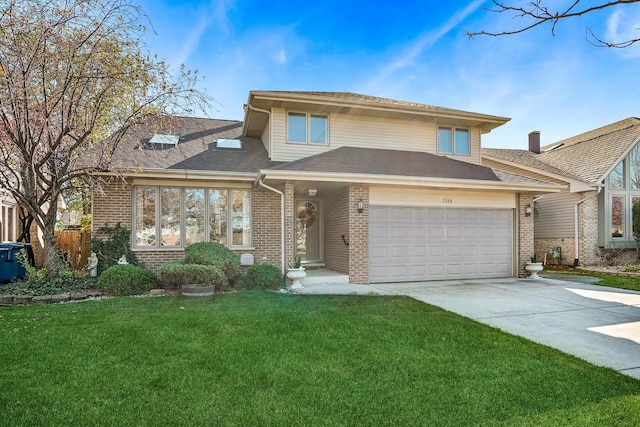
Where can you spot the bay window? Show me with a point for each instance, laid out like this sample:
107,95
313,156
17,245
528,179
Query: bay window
177,217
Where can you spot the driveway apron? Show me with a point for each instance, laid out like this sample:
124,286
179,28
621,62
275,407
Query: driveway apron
595,323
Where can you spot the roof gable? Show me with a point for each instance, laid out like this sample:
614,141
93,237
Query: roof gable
588,157
592,155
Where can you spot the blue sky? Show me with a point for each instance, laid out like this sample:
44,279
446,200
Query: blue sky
411,50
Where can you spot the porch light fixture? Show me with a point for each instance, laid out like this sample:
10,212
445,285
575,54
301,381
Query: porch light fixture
527,210
312,192
360,206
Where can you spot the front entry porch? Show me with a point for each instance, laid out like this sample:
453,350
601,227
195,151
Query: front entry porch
324,276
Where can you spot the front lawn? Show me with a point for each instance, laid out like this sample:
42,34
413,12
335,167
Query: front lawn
263,358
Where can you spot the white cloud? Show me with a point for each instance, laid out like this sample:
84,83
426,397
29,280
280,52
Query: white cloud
622,27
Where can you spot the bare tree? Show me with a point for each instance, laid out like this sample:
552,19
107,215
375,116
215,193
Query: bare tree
537,13
72,73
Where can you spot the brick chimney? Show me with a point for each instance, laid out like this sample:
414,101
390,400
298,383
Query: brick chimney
534,141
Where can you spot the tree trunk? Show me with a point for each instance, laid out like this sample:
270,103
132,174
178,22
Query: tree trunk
50,239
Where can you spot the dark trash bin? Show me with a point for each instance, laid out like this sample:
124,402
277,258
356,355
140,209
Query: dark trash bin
4,272
13,268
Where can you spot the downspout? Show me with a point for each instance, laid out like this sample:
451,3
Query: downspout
575,222
262,184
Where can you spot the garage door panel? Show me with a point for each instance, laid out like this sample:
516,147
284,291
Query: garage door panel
436,232
412,244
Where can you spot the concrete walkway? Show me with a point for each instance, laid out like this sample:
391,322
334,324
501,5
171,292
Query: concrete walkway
595,323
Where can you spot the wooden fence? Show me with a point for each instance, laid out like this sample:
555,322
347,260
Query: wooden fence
75,245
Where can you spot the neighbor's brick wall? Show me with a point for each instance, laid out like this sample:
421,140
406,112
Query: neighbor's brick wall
525,234
336,253
567,246
358,235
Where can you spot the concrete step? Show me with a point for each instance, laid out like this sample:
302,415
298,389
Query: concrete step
324,276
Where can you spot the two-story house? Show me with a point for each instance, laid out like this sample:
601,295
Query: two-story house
377,189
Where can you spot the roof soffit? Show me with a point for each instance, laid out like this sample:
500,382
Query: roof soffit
354,104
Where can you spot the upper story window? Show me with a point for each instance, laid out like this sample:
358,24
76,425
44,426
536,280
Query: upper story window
305,128
177,217
453,140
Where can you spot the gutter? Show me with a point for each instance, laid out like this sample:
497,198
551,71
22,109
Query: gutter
375,179
181,173
262,184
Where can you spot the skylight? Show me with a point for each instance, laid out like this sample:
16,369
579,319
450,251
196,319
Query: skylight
230,143
165,139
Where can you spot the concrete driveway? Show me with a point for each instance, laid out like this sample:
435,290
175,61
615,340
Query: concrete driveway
598,324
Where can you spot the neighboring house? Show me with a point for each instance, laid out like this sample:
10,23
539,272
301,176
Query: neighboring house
8,218
600,170
377,189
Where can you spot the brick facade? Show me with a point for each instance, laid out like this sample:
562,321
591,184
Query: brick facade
289,224
113,203
567,249
524,235
358,235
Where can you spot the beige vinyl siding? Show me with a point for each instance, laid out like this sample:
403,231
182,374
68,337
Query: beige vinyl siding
416,197
266,137
555,217
519,171
367,132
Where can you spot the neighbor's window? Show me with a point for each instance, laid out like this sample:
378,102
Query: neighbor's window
616,178
453,140
7,223
617,216
177,217
634,167
307,128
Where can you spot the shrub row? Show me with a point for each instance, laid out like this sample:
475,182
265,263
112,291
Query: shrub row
173,275
205,263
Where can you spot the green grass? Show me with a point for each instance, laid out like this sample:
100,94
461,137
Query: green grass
269,359
612,281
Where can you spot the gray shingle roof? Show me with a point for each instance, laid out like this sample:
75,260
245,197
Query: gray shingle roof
356,160
586,157
590,155
196,149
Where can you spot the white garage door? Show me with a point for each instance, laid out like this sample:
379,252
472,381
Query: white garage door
414,244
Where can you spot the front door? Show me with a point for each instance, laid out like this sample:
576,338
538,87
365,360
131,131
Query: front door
309,231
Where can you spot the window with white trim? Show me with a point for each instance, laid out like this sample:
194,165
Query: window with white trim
175,217
452,140
306,128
